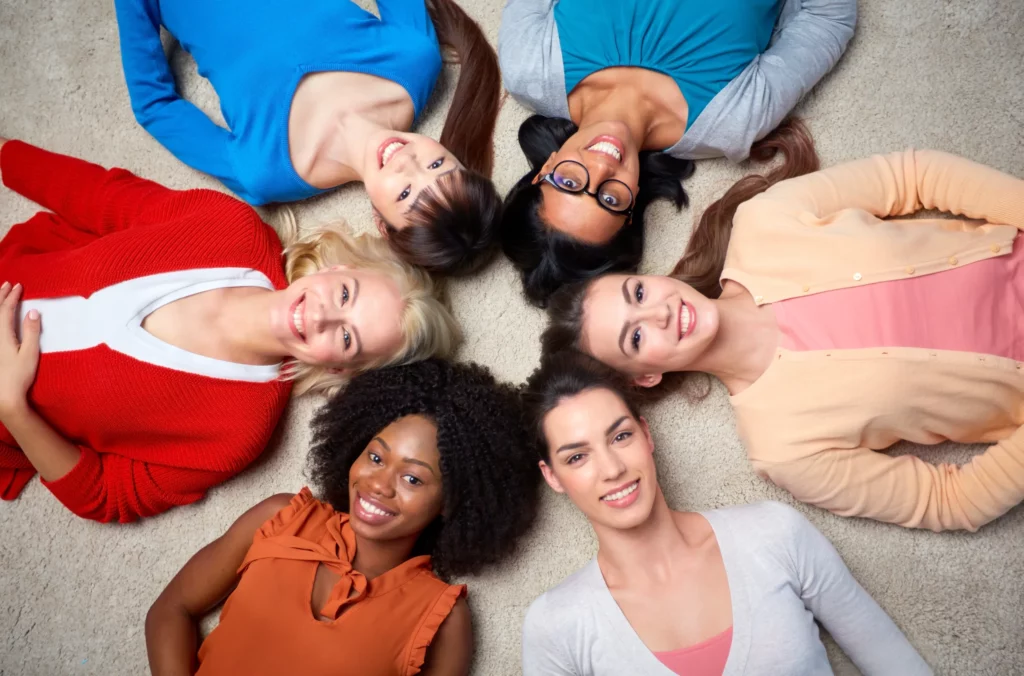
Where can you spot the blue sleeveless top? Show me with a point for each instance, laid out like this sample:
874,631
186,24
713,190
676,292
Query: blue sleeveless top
701,44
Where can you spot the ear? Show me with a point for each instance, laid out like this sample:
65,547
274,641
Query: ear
549,476
647,432
649,380
337,371
545,168
381,224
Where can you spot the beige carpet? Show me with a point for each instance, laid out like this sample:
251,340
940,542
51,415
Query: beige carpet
947,74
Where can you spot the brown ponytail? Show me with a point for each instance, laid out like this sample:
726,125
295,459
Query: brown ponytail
469,128
702,262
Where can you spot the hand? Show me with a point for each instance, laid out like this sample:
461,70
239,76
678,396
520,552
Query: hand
18,361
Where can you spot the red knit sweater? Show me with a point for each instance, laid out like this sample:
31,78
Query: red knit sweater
150,437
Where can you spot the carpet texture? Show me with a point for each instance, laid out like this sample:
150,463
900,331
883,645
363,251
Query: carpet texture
945,74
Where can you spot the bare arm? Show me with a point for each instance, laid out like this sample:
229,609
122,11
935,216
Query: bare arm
451,651
208,577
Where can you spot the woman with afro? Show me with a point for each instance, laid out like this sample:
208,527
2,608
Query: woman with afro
422,474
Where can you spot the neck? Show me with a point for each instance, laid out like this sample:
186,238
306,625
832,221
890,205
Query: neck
348,146
243,322
745,344
374,557
591,104
650,549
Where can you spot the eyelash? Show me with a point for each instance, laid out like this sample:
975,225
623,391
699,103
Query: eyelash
574,459
405,193
347,338
622,436
638,293
436,164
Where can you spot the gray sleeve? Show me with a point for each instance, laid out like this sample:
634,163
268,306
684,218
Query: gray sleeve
544,653
531,56
809,39
858,624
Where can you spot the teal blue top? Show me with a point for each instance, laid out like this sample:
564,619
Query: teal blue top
701,44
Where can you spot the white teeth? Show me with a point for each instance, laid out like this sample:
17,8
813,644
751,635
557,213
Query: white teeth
623,493
608,149
373,510
392,148
300,324
685,319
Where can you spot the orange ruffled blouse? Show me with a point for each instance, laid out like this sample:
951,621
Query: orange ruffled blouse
381,626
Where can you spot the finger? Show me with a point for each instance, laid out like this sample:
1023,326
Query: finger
4,290
8,308
30,330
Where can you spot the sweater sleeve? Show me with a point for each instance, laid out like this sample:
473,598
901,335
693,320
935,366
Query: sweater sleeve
89,197
176,123
544,653
857,623
906,490
106,487
808,45
902,183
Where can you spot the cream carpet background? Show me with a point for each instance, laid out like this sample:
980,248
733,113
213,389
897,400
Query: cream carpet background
947,74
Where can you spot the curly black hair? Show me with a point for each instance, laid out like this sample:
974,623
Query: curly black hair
488,468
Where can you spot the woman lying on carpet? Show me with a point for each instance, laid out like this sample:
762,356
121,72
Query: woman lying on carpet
322,94
172,329
735,590
839,329
629,91
424,472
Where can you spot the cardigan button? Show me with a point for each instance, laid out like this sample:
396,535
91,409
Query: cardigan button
910,270
995,248
758,299
857,276
953,260
805,288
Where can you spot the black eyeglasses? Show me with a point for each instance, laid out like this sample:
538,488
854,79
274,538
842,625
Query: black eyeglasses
572,177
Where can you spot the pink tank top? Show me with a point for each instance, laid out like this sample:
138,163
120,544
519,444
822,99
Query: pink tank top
974,308
707,658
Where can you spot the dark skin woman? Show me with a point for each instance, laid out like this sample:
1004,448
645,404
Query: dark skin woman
397,463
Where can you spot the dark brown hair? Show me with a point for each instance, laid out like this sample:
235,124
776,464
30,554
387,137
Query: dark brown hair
453,227
704,258
566,374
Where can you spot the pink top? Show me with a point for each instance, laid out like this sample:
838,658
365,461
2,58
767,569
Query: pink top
707,658
974,308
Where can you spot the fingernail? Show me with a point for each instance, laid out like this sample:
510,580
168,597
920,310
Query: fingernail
18,285
33,314
5,285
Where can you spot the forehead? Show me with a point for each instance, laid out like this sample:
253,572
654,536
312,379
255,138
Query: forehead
604,311
412,436
583,416
578,216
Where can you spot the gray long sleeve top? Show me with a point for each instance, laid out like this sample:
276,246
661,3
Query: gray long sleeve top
783,575
808,40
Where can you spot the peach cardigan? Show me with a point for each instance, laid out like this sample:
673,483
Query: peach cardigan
813,422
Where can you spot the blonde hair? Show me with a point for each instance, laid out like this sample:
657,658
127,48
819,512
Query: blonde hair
428,327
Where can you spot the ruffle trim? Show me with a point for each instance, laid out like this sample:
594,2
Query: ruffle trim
299,505
429,624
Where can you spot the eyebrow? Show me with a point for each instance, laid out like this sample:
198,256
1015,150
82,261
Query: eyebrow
411,460
419,197
625,324
580,444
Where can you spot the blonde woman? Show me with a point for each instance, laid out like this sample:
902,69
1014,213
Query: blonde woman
174,333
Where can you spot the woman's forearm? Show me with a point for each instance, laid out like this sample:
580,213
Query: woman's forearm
171,637
52,455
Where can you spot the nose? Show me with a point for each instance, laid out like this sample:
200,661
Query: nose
660,315
379,483
610,465
326,316
599,172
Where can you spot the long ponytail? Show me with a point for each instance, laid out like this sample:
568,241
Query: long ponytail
469,128
702,262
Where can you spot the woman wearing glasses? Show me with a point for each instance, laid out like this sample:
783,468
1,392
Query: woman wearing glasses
634,92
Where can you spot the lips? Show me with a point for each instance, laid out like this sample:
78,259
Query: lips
297,318
623,496
387,150
687,319
608,146
371,511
